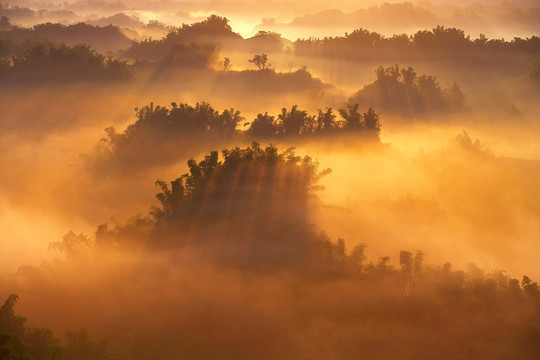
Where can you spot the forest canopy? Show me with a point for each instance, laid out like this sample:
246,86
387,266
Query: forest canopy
439,43
46,61
212,31
249,207
188,229
403,91
163,129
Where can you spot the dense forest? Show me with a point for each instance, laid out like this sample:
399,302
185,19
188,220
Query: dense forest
214,30
182,126
240,180
105,39
402,91
197,226
51,62
439,43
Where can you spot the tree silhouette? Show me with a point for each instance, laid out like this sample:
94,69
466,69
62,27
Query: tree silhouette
263,126
9,322
353,119
294,121
12,332
261,192
159,128
418,262
403,91
326,121
261,61
226,64
371,120
48,61
73,245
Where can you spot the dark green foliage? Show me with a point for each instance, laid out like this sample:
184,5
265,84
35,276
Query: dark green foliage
9,322
42,344
20,343
13,348
51,62
401,90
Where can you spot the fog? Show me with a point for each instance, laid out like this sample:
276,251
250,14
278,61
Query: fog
214,192
292,18
447,200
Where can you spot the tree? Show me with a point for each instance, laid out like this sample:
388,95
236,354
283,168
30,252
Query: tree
326,121
249,205
42,344
294,121
5,24
418,262
406,263
358,256
531,288
12,331
353,119
46,60
260,60
80,347
9,322
263,126
382,264
212,175
455,99
407,267
371,120
226,64
409,78
73,246
402,90
228,120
